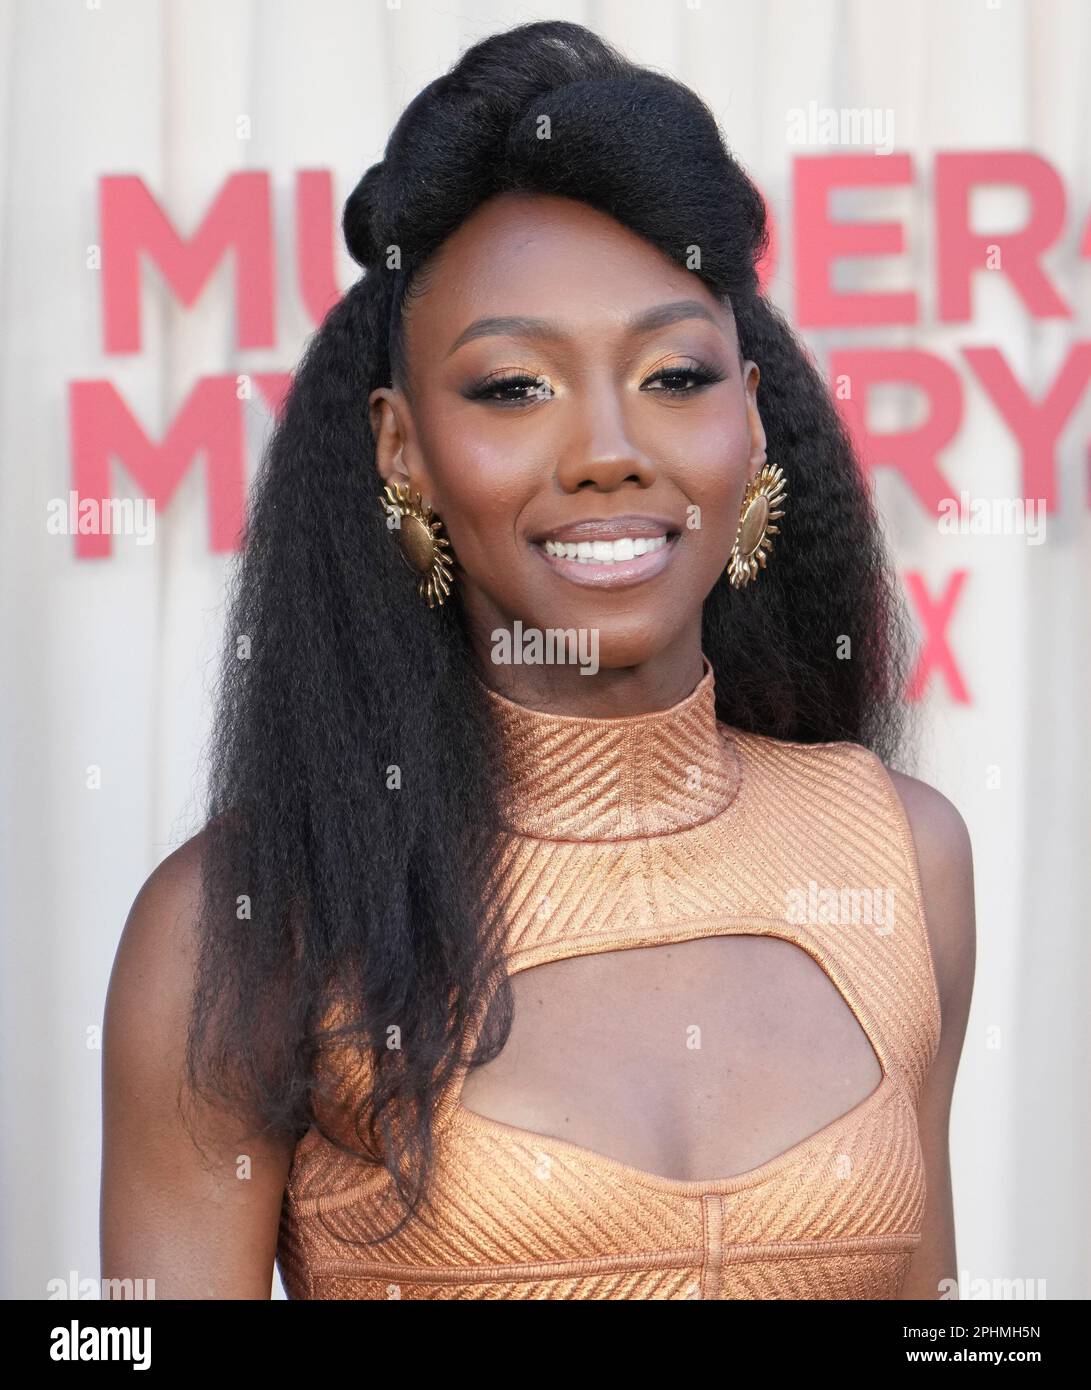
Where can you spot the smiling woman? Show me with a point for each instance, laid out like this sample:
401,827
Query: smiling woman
522,1004
629,417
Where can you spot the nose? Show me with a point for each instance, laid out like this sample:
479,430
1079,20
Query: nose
601,454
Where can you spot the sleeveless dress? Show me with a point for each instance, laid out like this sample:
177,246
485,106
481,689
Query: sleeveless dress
637,832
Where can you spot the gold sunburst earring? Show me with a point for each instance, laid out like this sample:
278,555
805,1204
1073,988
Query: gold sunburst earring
761,505
422,549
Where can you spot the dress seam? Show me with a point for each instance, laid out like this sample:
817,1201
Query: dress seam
681,1258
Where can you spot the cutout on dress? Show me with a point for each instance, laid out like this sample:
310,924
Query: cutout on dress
694,1060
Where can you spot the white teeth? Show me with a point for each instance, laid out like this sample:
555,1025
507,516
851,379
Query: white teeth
605,552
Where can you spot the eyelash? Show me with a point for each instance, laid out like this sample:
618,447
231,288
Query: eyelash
700,373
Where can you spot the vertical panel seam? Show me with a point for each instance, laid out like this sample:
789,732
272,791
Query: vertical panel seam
711,1269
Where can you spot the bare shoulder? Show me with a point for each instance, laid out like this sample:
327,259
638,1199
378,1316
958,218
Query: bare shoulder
159,941
190,1195
945,860
151,989
944,855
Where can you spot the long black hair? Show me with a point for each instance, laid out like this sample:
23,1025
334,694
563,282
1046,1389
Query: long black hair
349,842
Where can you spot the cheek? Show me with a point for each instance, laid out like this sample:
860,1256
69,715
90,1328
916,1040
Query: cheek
710,462
481,487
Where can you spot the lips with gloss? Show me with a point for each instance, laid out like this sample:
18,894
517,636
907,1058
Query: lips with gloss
609,554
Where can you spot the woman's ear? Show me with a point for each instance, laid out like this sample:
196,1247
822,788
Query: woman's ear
751,377
388,432
397,457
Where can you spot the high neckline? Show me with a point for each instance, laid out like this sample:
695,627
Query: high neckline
570,777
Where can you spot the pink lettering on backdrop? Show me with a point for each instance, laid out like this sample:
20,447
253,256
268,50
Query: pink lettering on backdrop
274,388
934,615
1036,424
133,224
913,452
135,231
314,261
209,423
962,251
819,241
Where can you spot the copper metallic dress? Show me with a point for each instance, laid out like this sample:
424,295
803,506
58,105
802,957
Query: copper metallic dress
638,832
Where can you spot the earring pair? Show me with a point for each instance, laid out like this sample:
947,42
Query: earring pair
427,554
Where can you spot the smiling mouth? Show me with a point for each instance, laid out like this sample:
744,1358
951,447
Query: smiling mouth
610,564
605,552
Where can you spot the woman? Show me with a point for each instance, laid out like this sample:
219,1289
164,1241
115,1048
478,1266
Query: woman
613,964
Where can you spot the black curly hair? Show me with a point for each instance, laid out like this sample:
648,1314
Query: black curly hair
370,918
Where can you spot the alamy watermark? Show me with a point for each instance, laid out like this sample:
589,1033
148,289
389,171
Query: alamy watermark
92,1343
107,516
993,516
871,907
89,1286
978,1286
551,646
872,127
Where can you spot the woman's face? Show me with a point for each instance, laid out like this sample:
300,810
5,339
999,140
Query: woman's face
565,380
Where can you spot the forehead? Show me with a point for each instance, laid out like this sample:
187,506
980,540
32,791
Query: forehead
536,254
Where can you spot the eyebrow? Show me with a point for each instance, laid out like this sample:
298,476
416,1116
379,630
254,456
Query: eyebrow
520,326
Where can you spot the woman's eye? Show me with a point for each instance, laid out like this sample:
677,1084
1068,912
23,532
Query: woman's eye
516,389
683,380
524,388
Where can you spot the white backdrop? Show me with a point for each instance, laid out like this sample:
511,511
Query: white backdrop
109,663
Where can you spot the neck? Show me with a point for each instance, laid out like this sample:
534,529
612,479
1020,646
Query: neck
575,687
619,777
